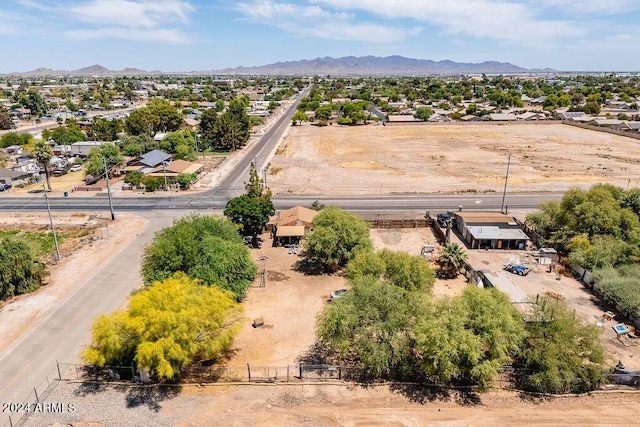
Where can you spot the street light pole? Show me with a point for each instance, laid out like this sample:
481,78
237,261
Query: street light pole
506,177
106,176
53,229
164,172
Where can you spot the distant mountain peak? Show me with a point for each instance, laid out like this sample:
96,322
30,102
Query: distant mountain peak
327,65
374,65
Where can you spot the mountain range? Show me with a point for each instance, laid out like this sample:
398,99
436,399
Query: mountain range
349,65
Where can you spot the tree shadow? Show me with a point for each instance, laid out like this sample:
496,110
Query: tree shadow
87,388
309,267
316,354
150,396
424,393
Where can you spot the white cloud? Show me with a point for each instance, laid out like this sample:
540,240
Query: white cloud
130,13
171,36
513,21
140,20
311,20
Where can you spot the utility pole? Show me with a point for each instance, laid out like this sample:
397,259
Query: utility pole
506,177
53,229
164,172
106,177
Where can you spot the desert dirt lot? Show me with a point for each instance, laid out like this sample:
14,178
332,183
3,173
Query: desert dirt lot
289,304
334,160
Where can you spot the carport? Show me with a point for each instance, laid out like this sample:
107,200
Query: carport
289,234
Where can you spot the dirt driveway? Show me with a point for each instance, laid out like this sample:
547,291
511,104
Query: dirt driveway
376,159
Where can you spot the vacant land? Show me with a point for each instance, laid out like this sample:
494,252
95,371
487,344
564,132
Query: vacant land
346,160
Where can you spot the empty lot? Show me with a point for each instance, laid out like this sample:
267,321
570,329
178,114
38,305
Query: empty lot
372,159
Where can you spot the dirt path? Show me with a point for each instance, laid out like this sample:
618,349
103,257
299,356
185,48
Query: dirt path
335,405
107,237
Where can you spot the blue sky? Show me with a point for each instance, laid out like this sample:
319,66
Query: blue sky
185,35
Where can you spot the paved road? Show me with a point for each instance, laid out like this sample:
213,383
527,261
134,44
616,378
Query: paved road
232,184
61,333
205,201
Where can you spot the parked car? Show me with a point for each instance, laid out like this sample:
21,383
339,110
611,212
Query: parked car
59,172
337,294
4,187
75,168
443,220
521,270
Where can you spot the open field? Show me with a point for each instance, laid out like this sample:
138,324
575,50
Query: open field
343,160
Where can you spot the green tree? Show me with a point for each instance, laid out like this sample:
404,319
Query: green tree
168,118
299,117
95,164
43,153
134,178
371,327
423,113
166,327
338,236
249,213
592,107
20,272
468,338
152,183
452,259
14,138
195,245
104,130
185,180
207,123
141,122
560,354
34,102
64,135
5,119
227,133
396,268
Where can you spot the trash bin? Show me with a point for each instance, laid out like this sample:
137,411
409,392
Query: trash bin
66,194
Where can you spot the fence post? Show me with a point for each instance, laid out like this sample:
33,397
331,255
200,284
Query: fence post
10,422
287,373
339,372
36,393
133,372
300,367
58,366
249,371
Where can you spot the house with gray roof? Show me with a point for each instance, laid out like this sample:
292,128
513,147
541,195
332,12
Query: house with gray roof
152,159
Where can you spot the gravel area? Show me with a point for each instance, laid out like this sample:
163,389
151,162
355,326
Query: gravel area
114,405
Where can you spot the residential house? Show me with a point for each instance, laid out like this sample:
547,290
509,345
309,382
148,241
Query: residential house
149,161
490,230
83,148
27,166
190,124
171,170
571,115
532,116
13,177
503,117
627,126
291,225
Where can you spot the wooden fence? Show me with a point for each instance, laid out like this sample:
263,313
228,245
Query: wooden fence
399,223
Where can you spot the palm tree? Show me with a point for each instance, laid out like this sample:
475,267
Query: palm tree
452,258
42,152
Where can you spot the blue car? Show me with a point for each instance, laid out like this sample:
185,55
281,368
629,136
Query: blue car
521,270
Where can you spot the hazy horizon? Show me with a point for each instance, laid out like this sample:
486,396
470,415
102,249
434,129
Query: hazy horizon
199,35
